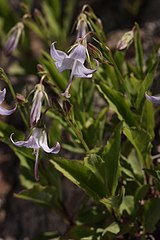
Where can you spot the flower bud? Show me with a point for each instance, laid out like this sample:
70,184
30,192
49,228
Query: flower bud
13,38
126,40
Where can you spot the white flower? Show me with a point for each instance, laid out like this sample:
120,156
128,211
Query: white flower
37,140
74,61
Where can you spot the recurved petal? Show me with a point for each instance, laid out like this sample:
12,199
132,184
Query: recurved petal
78,53
153,99
4,111
83,72
2,95
44,145
57,55
30,143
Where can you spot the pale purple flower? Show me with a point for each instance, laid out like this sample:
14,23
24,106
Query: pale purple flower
37,140
4,111
153,99
74,61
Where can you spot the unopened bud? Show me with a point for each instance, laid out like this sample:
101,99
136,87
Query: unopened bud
13,38
126,40
40,68
20,98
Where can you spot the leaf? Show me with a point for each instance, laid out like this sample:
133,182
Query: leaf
140,194
112,228
95,164
110,157
46,196
141,141
153,172
114,202
146,83
147,118
127,204
119,104
80,175
138,50
151,214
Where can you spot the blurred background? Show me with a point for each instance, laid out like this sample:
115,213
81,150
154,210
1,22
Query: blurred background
21,219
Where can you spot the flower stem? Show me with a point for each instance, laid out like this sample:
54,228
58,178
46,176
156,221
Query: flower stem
79,135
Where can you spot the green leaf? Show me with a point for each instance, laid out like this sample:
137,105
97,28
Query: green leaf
153,172
80,175
141,141
46,196
146,83
138,50
112,228
110,157
119,104
147,118
114,202
127,204
151,214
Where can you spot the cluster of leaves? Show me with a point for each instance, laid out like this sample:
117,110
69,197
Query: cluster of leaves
106,129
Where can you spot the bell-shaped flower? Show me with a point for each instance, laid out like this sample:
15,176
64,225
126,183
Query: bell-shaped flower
37,104
4,111
37,140
74,61
153,99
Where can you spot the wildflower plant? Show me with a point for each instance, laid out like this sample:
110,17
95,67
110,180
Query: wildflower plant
101,127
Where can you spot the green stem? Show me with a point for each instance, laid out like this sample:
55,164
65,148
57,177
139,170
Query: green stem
79,135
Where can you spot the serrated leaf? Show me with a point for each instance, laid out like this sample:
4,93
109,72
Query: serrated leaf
80,175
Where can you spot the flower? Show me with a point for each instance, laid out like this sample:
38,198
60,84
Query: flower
4,111
153,99
74,61
37,104
37,140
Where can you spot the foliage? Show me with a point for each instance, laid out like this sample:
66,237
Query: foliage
106,127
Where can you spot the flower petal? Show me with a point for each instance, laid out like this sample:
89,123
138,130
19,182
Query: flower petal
2,95
57,55
153,99
78,53
83,72
36,108
4,111
30,143
44,145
